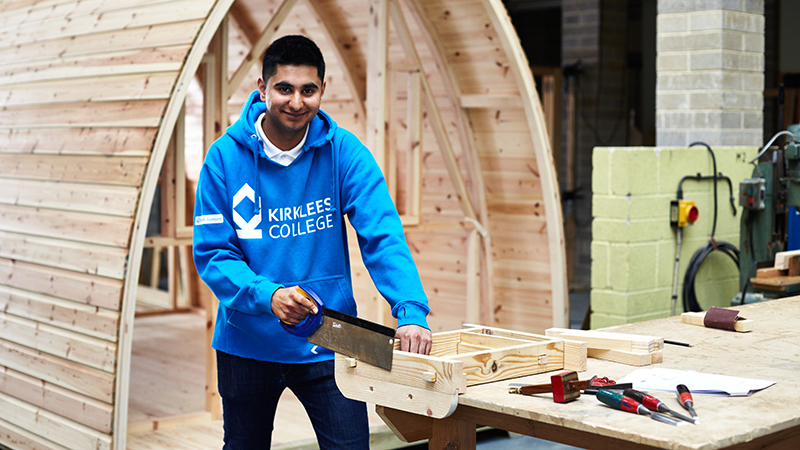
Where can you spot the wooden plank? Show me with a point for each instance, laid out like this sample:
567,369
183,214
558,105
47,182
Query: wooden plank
696,318
77,317
134,113
84,410
779,284
119,171
180,33
106,20
508,362
52,426
407,370
79,257
610,341
15,437
92,89
132,142
490,101
407,390
147,61
623,357
77,197
468,337
26,13
770,272
66,284
76,377
92,352
782,259
91,228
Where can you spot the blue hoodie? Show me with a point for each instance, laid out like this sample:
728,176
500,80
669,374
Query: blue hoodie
260,226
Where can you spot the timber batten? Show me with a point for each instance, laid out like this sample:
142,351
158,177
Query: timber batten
90,93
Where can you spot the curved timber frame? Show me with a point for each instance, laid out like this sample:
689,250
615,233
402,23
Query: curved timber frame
94,95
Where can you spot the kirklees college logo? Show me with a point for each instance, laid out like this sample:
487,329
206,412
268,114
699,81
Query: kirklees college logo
282,222
246,229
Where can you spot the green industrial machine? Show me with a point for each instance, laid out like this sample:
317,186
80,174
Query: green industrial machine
765,200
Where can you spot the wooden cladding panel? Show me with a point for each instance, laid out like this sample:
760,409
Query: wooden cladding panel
107,88
64,314
106,16
77,197
90,290
91,352
180,33
14,437
92,383
80,257
136,61
119,171
51,426
142,113
134,142
81,227
84,410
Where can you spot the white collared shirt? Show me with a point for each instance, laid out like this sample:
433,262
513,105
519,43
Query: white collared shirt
282,157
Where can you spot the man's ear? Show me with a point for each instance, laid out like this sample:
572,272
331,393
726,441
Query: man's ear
262,88
322,90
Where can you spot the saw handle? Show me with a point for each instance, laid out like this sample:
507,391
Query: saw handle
308,326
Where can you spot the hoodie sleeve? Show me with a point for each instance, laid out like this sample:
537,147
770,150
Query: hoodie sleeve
366,201
218,256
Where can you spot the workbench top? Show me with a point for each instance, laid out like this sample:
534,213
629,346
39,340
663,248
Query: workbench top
771,351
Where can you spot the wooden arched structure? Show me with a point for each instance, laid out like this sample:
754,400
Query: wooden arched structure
91,94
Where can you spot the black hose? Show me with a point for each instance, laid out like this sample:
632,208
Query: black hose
689,296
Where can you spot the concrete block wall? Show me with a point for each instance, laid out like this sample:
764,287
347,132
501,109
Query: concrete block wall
633,245
710,65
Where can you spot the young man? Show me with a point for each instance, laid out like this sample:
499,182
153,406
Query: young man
269,215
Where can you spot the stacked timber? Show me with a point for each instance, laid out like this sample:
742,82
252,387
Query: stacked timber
635,350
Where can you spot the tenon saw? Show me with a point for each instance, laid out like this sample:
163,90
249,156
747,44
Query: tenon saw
366,341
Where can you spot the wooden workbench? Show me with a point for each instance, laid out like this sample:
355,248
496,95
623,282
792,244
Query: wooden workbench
768,419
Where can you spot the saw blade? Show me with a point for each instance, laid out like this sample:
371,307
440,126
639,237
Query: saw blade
366,341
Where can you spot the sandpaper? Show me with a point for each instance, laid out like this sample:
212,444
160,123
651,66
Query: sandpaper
721,318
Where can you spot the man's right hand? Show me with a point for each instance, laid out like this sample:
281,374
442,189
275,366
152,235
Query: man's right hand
291,306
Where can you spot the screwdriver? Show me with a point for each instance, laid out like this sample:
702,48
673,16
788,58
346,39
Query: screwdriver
653,404
685,399
618,401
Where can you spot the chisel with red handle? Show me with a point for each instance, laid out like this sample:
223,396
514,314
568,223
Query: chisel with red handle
653,404
685,399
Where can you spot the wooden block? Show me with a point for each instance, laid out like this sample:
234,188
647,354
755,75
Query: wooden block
782,259
623,357
770,272
696,318
794,266
775,284
610,341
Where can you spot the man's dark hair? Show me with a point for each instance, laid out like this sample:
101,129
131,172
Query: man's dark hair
292,50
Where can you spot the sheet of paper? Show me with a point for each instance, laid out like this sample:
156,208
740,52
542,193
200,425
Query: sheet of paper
699,383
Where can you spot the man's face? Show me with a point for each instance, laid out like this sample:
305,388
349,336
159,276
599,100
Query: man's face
293,95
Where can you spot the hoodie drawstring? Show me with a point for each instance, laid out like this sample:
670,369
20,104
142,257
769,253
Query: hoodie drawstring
257,187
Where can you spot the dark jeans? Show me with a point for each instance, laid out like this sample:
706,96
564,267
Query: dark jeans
250,391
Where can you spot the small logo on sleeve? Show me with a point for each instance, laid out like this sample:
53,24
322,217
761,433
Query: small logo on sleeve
208,219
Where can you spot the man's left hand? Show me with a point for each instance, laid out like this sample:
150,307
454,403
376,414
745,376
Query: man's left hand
414,339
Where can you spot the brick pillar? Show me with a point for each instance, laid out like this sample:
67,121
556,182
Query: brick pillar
710,72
